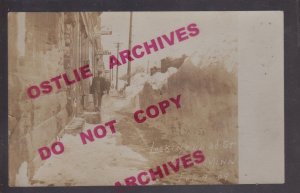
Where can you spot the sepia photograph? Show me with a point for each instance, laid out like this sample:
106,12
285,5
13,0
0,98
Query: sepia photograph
144,98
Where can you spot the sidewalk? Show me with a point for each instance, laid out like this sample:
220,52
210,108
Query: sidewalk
102,162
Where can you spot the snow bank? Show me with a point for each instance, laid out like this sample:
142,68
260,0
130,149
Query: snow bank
159,79
101,162
137,84
156,81
22,176
121,84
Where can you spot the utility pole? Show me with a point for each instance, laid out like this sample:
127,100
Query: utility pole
129,48
111,75
117,71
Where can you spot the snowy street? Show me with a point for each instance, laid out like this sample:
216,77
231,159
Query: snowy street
122,154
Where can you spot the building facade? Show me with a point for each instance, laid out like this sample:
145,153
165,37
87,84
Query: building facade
41,46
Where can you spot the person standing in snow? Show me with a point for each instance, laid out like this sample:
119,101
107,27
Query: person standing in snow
97,89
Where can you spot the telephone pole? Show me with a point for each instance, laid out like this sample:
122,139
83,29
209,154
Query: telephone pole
129,48
117,71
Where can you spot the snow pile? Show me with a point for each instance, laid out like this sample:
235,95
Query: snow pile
156,81
159,79
22,175
101,162
137,84
121,84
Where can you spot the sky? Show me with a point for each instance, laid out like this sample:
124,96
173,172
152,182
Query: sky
218,30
